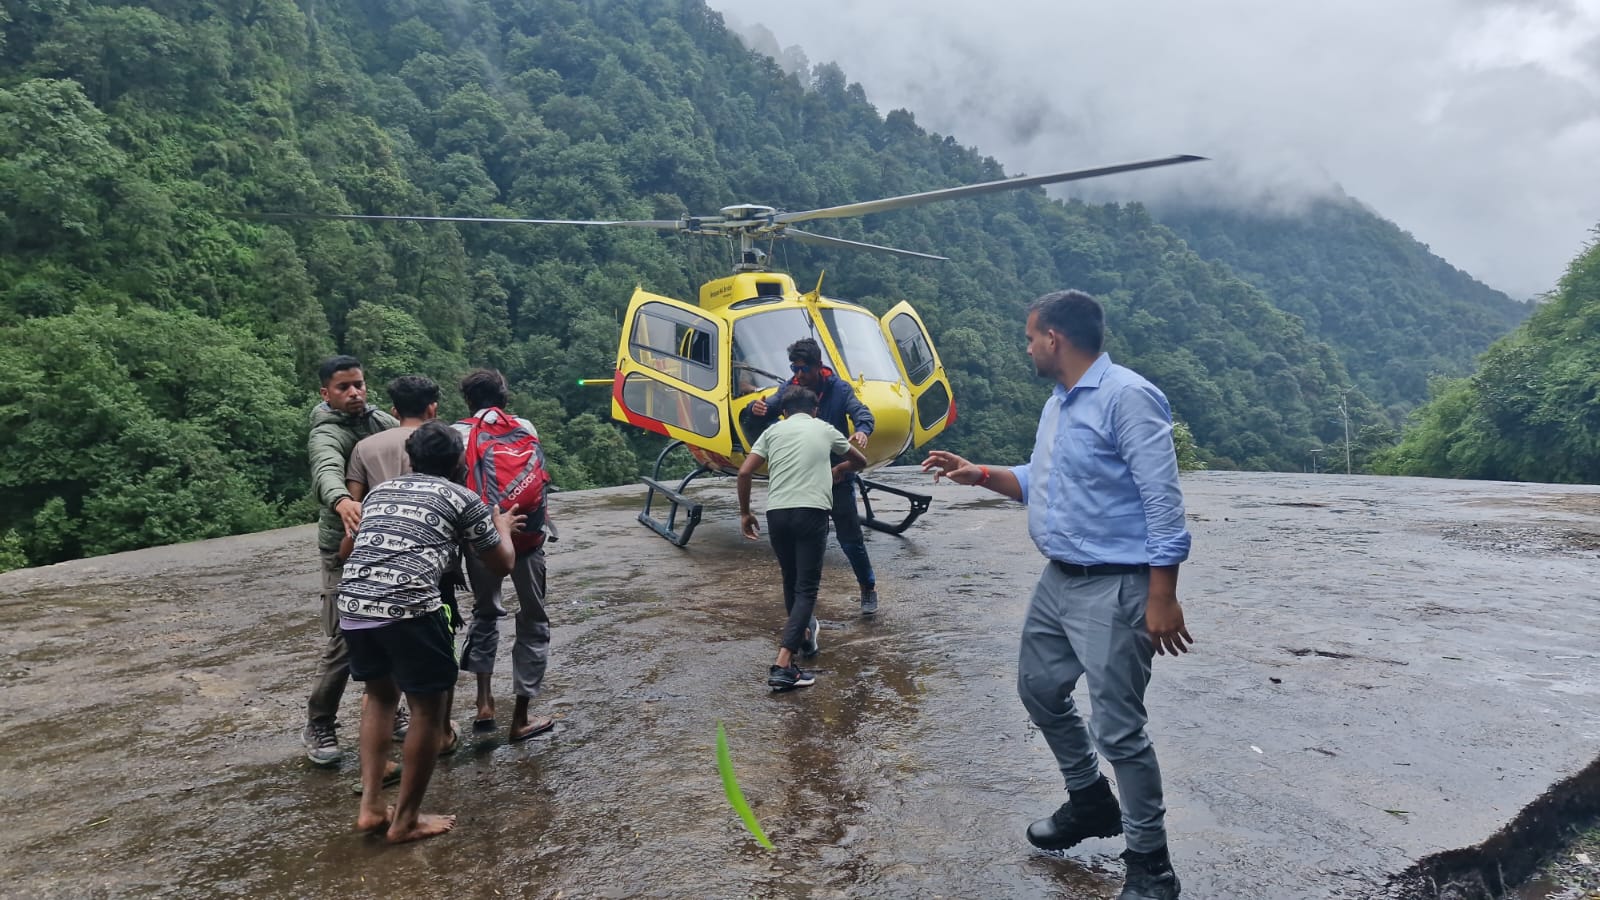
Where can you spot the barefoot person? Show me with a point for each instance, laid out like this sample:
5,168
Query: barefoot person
391,615
1105,508
800,484
383,456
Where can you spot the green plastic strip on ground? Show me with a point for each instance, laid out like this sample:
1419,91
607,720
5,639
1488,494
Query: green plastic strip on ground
730,786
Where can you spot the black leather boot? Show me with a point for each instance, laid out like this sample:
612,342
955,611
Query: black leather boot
1091,812
1150,876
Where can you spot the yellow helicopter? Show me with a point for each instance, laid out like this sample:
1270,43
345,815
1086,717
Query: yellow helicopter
691,371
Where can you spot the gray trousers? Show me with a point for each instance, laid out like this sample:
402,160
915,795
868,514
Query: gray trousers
530,655
1094,627
333,670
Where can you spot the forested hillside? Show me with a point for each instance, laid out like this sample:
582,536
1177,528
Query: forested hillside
1397,315
156,349
1532,410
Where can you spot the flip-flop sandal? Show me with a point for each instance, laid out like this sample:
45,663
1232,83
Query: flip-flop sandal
485,726
534,731
455,741
390,779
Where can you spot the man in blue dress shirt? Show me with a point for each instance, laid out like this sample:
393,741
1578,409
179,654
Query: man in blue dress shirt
1104,506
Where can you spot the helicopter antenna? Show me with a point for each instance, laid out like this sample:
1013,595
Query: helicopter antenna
818,289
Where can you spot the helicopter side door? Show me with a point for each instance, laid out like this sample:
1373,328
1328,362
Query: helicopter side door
672,373
934,405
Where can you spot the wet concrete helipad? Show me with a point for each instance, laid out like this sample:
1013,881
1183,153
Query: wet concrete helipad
1386,668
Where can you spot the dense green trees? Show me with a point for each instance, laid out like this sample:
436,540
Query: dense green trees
130,429
1532,410
1397,315
155,369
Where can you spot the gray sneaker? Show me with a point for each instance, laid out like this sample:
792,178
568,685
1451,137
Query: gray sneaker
322,744
402,723
781,679
869,601
809,646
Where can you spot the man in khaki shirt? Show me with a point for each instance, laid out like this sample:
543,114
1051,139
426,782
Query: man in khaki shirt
377,459
800,483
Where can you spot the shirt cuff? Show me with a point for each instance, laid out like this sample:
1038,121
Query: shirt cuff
1170,553
1021,473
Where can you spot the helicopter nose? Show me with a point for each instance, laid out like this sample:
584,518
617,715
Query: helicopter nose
890,403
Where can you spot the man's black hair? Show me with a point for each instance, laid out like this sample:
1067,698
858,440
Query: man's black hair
483,388
412,395
806,352
799,400
435,449
333,365
1074,315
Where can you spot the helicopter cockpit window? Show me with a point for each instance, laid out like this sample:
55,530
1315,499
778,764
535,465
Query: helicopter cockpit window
914,348
860,338
676,343
761,348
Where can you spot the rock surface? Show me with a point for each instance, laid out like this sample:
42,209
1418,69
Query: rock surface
1386,668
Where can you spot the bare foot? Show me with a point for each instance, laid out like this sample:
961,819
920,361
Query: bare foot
427,825
369,822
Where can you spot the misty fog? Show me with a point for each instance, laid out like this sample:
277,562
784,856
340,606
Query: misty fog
1473,124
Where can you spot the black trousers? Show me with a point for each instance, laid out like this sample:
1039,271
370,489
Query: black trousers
799,537
847,528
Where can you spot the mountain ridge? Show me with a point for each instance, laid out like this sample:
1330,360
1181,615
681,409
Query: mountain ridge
158,347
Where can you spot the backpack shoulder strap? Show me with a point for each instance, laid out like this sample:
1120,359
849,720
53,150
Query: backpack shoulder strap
473,454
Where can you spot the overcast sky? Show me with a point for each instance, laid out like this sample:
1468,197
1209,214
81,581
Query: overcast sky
1473,124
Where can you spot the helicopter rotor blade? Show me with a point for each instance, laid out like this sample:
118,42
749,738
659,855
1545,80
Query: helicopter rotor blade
971,190
662,224
806,237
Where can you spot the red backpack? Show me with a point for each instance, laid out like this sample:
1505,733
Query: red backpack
505,466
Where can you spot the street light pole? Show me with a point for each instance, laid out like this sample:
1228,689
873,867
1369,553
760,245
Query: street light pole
1345,412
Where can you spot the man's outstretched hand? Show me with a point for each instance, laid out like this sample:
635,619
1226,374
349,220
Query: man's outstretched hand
943,463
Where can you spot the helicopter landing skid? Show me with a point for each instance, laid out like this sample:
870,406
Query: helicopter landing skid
676,500
919,505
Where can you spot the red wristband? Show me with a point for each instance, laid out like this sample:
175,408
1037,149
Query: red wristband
985,478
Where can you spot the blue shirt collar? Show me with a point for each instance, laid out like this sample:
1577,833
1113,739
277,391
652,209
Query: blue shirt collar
1091,377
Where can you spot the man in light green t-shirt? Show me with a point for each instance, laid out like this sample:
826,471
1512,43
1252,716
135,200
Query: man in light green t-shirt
800,483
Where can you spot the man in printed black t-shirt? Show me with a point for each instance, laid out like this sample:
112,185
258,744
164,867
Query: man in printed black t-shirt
391,618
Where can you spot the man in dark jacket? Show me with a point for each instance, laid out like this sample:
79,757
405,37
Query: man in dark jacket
837,405
337,423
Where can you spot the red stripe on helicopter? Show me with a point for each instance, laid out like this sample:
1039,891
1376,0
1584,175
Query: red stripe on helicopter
632,417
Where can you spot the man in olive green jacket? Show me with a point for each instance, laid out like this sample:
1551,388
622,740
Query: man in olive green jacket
338,422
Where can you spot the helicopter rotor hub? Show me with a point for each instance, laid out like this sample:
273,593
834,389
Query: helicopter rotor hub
748,212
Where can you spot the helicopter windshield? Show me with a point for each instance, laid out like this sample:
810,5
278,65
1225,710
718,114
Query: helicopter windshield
861,343
761,348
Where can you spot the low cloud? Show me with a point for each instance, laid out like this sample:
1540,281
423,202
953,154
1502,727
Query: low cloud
1473,124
